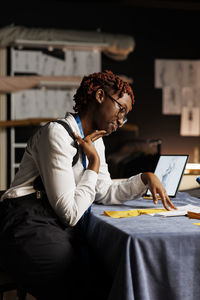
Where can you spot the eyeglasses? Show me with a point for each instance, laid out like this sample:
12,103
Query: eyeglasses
122,113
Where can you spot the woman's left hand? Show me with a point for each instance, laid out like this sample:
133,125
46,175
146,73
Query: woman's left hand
156,188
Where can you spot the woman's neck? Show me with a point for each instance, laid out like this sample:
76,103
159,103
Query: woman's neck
86,122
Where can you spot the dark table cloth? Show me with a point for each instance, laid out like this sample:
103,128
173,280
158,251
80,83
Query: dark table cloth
146,257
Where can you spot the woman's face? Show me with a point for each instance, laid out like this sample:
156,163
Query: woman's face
111,110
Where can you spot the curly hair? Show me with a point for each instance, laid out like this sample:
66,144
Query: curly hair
91,83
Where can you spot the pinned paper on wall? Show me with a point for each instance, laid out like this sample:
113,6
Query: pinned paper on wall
25,61
80,63
171,104
24,107
50,103
72,63
190,121
188,96
163,73
42,103
176,73
190,73
180,83
65,101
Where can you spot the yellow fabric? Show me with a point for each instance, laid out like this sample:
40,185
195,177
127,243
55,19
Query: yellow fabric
132,213
198,224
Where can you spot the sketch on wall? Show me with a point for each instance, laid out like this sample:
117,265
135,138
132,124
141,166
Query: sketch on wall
180,83
190,120
74,63
49,103
171,100
182,73
26,61
80,63
42,103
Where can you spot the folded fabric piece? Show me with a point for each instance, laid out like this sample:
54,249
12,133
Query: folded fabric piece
132,213
115,46
198,224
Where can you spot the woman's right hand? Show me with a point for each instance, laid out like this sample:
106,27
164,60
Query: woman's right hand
89,149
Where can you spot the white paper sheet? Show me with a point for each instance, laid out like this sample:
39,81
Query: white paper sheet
25,61
68,63
188,96
189,73
80,63
197,97
182,73
171,73
64,102
180,211
51,66
190,121
39,103
163,70
178,70
172,101
24,105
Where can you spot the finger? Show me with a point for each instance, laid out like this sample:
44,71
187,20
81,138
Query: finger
167,199
170,202
165,204
96,135
155,197
163,196
77,137
164,201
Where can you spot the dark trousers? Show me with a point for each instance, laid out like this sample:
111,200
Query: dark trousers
39,252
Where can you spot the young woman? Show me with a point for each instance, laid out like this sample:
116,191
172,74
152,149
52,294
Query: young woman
38,232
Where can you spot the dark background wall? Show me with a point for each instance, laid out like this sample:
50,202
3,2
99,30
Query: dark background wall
158,32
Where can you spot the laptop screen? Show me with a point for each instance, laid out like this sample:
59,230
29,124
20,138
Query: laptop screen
170,169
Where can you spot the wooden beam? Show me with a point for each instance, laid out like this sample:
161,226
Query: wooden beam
25,122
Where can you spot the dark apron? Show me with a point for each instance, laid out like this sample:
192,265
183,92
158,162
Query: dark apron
38,251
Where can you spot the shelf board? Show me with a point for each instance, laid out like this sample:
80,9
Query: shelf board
60,45
25,122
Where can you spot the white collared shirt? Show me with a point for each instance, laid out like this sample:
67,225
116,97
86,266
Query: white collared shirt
70,190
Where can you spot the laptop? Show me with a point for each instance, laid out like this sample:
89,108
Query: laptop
169,169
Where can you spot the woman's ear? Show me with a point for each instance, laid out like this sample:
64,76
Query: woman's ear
100,95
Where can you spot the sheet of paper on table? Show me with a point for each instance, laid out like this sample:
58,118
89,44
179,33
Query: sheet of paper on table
181,211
